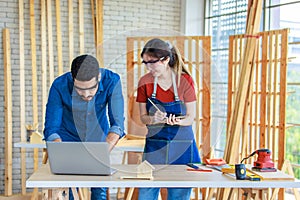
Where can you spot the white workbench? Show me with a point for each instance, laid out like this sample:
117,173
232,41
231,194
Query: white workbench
164,176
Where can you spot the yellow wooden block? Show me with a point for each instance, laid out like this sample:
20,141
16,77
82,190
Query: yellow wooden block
36,138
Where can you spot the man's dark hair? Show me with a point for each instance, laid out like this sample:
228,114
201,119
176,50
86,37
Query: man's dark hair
84,68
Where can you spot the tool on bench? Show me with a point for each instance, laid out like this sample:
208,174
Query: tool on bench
249,175
263,162
196,168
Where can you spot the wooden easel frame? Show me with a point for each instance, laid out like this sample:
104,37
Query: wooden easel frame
264,124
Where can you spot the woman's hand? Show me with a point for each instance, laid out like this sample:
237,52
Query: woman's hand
159,117
173,120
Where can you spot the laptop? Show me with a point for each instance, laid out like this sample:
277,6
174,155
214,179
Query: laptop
79,158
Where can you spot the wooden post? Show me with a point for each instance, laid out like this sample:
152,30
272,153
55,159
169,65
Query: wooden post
130,75
71,34
44,57
282,106
22,95
206,91
94,21
58,38
34,80
8,112
33,75
50,43
99,30
81,26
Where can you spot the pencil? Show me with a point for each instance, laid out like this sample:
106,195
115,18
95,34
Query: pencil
154,105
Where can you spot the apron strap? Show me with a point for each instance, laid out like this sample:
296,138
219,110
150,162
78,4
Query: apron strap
174,87
154,88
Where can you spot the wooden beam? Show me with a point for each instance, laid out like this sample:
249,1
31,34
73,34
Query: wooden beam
99,30
81,26
33,63
22,95
206,91
58,38
50,43
283,92
198,77
44,57
8,111
34,82
94,21
130,77
71,32
263,95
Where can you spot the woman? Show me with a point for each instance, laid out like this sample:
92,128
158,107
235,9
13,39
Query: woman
167,100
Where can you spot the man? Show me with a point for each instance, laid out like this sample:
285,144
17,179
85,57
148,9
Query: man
86,104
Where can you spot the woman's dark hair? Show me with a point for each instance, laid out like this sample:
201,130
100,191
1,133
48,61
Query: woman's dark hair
84,68
158,48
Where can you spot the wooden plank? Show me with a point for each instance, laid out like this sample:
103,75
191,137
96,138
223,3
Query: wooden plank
130,78
190,47
271,93
22,95
99,30
50,42
236,119
206,110
275,89
71,31
199,139
81,26
8,111
282,96
44,57
59,38
231,74
282,106
33,63
94,21
254,138
263,95
33,80
139,60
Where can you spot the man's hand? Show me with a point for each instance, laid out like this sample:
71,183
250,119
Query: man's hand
112,139
57,140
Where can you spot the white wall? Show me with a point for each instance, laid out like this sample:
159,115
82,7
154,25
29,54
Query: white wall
192,18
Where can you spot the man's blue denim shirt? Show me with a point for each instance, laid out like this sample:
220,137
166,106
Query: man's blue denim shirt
72,119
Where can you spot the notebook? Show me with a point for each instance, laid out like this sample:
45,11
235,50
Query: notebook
82,158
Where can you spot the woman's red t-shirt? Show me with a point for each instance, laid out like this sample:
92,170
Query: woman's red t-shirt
186,90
